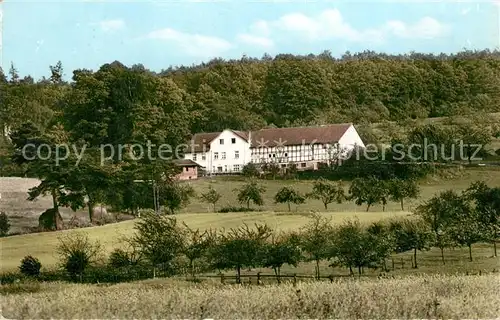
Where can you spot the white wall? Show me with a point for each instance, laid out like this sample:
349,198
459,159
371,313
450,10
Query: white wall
350,139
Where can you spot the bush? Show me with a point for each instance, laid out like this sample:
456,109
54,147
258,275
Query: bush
237,209
77,253
119,258
30,266
4,224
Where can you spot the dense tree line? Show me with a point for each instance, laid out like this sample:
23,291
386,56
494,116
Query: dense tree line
285,90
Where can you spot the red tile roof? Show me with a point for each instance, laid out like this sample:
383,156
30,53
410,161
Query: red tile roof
299,135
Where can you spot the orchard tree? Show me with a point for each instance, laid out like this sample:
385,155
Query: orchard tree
196,245
211,196
288,195
354,246
400,189
411,234
439,213
159,238
486,201
175,195
251,192
315,239
327,192
239,248
370,191
282,249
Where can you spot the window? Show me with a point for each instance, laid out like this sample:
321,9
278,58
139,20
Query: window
219,169
270,155
286,154
225,168
233,140
216,155
203,157
221,141
187,169
194,156
283,165
236,167
236,154
223,156
303,164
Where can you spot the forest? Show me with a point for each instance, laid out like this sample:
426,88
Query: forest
250,93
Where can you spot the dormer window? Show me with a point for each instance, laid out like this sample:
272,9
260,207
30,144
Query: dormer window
233,140
221,141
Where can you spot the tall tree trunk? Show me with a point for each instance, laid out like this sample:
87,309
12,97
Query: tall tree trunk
368,207
317,269
248,204
289,209
442,254
57,217
402,204
415,257
470,252
494,248
359,270
350,271
326,205
238,276
90,206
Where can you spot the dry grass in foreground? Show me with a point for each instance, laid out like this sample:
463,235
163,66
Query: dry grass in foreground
456,297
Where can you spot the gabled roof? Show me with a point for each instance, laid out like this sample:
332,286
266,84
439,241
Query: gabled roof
297,136
185,163
202,141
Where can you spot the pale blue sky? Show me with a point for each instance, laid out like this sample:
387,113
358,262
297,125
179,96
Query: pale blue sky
87,34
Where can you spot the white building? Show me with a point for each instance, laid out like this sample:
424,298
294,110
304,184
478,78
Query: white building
230,150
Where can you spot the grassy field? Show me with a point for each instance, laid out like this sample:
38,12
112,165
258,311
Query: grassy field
428,297
24,213
43,245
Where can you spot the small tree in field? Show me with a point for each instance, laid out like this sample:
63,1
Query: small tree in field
176,196
239,248
196,246
288,195
354,246
159,238
251,192
283,249
327,192
438,213
4,224
411,235
400,189
370,191
486,201
315,239
212,197
77,253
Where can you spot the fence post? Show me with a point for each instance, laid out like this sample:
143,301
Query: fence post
294,279
258,278
221,278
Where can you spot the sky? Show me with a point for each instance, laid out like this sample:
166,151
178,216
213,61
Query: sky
159,34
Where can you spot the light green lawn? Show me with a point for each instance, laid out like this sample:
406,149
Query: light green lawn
43,245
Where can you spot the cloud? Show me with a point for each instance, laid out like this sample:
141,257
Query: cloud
192,44
110,26
255,40
330,24
425,28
